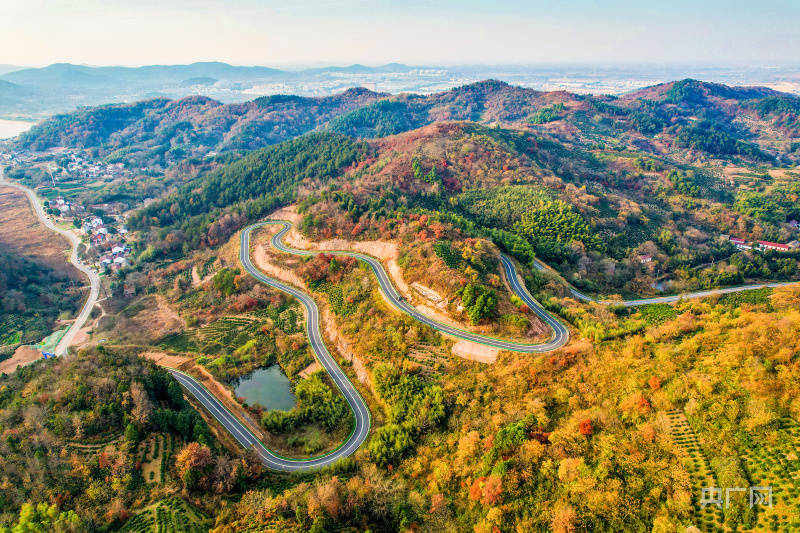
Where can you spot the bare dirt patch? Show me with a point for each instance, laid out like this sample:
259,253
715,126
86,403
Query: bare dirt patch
22,356
151,450
83,336
475,352
197,280
195,277
158,320
428,293
310,369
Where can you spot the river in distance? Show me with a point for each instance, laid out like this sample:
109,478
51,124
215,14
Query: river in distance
12,128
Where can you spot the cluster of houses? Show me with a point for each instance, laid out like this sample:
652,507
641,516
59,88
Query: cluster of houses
116,258
80,167
742,244
114,252
65,207
15,157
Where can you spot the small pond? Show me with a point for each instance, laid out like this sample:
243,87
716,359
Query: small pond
267,387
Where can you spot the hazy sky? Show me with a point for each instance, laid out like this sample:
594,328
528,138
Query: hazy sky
272,32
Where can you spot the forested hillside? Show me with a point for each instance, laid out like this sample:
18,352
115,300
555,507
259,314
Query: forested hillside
207,211
663,172
592,214
160,131
32,296
604,436
72,430
617,431
685,118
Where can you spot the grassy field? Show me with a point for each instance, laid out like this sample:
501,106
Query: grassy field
50,342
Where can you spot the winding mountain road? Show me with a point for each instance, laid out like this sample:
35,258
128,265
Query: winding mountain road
94,279
560,333
361,413
662,299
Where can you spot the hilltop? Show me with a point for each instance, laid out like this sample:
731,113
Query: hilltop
689,120
663,179
161,131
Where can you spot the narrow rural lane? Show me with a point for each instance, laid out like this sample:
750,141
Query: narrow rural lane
664,299
94,279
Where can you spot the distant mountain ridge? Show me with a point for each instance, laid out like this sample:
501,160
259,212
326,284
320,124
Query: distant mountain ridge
696,118
69,73
178,72
689,115
61,87
159,131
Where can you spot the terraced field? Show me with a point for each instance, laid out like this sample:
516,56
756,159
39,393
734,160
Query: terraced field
231,332
224,335
171,515
431,359
154,454
774,462
769,461
98,445
696,462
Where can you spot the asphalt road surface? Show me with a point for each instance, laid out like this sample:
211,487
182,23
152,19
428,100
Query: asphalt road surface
361,414
560,333
677,297
94,279
360,411
245,437
664,299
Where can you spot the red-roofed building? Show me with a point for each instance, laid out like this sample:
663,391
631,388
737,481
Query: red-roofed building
766,245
